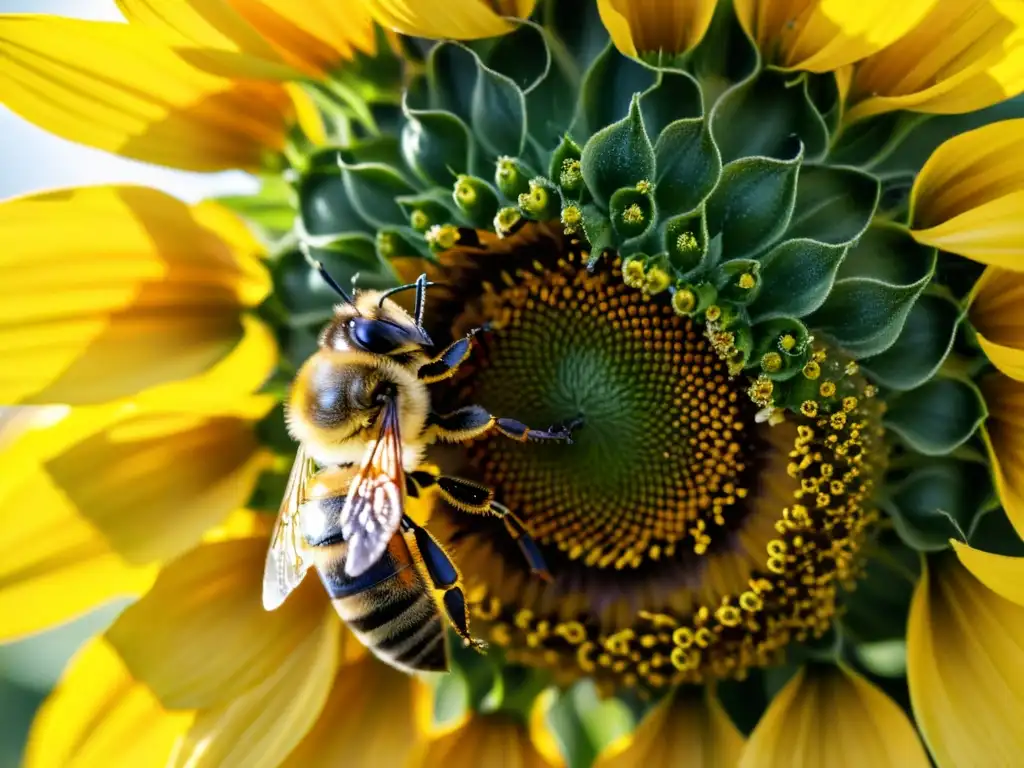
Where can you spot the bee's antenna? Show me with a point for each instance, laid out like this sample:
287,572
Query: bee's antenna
421,286
325,275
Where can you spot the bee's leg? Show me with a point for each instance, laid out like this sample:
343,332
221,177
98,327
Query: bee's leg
445,364
473,421
444,576
475,499
516,529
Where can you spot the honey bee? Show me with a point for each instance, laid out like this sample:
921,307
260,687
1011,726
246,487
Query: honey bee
360,408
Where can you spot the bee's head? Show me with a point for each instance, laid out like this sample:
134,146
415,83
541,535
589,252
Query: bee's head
373,323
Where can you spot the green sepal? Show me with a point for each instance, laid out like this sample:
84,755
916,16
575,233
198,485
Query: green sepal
523,55
752,204
304,294
597,228
922,346
796,278
876,608
511,177
937,417
372,188
724,56
399,242
761,115
583,723
476,199
609,87
620,155
687,166
674,96
436,145
888,253
766,339
876,287
625,204
451,75
868,142
542,202
729,274
938,502
688,254
435,205
566,151
498,112
271,210
833,205
325,207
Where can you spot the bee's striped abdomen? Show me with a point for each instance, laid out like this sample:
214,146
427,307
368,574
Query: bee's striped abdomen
390,608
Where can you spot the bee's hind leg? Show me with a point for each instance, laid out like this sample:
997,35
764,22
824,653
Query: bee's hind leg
467,496
474,421
445,577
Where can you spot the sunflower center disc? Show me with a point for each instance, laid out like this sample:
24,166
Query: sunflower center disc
686,539
663,455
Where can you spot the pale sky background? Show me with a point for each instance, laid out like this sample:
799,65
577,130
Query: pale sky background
31,159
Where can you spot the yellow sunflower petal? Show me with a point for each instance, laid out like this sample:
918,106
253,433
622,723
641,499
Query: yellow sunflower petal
965,666
368,720
823,36
100,715
685,722
121,88
262,726
93,502
1003,433
456,19
107,291
1003,575
315,35
831,718
201,637
963,56
203,31
997,314
485,740
969,197
651,26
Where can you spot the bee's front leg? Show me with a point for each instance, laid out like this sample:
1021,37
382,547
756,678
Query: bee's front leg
474,421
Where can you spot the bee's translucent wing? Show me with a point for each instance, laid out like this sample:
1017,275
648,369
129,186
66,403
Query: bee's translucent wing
373,508
288,557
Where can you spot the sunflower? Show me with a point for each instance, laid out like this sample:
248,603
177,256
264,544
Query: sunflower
766,254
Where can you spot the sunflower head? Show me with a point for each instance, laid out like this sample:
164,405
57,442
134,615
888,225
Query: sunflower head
719,243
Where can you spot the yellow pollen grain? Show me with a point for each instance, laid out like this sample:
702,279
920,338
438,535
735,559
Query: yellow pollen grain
464,191
787,342
809,408
849,403
746,281
443,236
572,217
837,420
684,301
633,214
827,389
570,176
812,370
505,219
419,221
687,243
644,187
713,313
633,273
656,280
771,362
